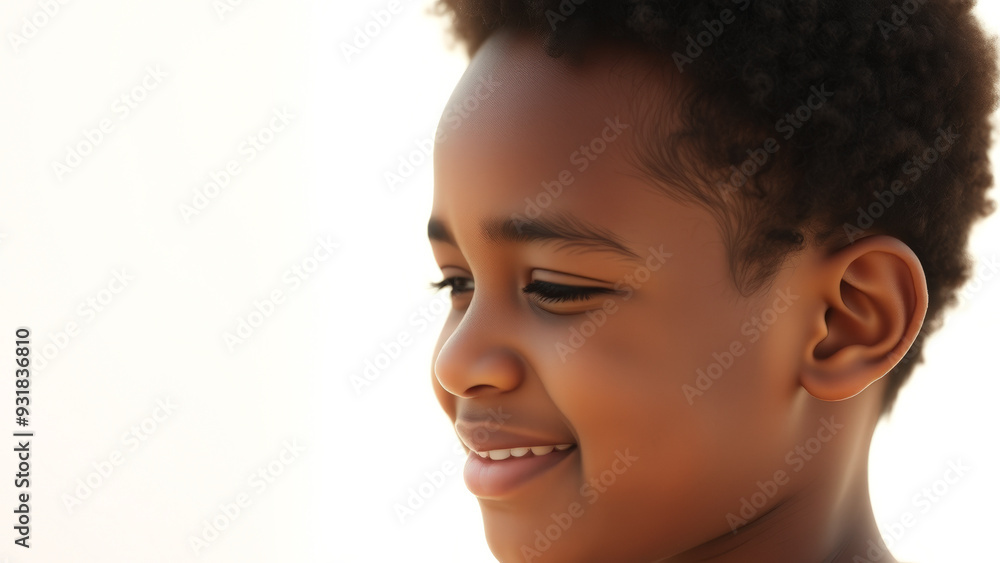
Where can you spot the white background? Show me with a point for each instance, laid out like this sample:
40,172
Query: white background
234,412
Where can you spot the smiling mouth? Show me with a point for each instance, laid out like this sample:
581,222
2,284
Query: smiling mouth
497,455
501,473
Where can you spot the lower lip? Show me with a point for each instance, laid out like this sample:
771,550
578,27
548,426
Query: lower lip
490,478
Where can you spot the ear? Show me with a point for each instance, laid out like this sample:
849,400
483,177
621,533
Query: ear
875,295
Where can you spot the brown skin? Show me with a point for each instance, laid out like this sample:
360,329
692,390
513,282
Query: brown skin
853,313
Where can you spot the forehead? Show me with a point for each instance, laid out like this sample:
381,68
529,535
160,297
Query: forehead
512,86
521,126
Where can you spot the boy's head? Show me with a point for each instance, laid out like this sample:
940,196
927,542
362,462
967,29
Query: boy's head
689,240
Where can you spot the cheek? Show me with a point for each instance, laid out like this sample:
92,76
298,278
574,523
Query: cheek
639,386
649,364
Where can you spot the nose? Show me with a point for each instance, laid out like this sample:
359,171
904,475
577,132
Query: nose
479,357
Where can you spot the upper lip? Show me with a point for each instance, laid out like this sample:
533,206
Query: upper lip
483,436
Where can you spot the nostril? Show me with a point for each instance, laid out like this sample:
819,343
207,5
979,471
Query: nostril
466,368
479,389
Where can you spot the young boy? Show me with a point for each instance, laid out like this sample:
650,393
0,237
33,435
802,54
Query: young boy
694,249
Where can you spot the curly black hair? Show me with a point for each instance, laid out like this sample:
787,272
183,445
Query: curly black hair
809,120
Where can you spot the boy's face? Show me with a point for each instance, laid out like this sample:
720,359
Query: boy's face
678,394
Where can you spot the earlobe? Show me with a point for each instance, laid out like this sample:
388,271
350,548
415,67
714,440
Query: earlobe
875,296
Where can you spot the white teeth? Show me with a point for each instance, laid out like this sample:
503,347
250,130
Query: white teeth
498,455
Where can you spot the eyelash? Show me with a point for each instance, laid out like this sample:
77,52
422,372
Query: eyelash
546,291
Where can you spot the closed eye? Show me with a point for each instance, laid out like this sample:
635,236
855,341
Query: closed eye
544,291
554,292
456,283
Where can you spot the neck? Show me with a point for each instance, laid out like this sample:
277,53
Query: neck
802,529
828,519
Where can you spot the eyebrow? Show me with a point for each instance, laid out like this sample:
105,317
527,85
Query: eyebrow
572,231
